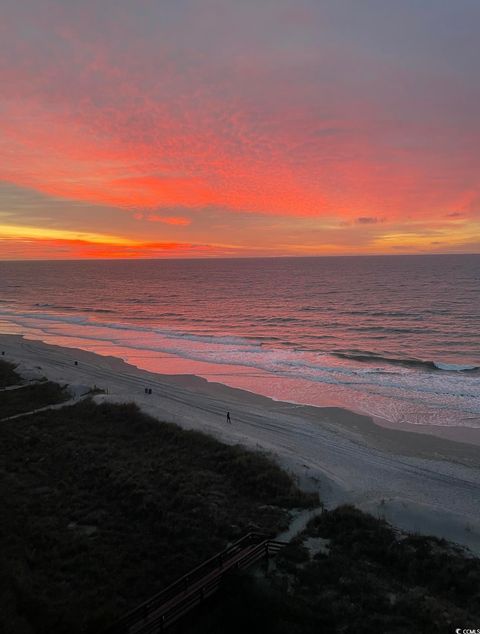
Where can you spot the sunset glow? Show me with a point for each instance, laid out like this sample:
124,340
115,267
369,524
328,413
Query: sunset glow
238,129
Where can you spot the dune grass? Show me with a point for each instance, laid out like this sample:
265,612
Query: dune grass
362,576
31,397
103,506
8,376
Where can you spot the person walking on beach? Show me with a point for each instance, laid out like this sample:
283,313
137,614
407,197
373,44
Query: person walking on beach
229,420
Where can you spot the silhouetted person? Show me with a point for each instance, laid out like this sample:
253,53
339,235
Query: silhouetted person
229,420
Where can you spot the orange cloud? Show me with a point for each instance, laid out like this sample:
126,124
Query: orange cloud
22,241
51,249
16,241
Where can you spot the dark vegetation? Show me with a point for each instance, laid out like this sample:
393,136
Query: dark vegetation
103,506
31,397
8,376
359,575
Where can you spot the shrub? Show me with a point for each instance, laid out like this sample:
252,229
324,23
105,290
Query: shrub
8,376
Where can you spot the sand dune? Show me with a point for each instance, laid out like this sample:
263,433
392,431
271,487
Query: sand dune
418,482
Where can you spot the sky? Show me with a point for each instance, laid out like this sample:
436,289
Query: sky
238,128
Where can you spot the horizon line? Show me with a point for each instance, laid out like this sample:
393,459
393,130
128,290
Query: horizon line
246,257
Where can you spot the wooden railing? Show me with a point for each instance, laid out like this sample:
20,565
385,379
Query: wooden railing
166,607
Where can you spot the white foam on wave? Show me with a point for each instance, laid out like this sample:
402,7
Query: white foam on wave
454,367
455,392
173,334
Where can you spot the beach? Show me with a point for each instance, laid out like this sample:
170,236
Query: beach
419,482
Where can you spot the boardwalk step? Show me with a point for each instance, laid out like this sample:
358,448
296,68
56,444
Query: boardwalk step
168,606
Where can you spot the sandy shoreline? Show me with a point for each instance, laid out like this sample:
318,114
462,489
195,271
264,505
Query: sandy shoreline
418,482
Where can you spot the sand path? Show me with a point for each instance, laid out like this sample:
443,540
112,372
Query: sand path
72,401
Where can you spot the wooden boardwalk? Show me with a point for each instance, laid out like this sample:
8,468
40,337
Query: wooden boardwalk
168,606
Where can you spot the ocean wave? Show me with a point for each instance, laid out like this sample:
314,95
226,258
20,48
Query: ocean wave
383,313
172,334
279,320
409,362
208,337
392,330
76,309
453,388
142,300
317,309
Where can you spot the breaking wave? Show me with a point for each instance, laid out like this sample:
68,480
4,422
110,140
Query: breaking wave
413,363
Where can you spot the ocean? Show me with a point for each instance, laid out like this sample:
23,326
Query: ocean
395,337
